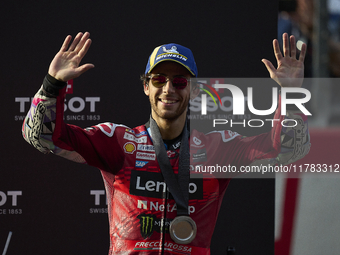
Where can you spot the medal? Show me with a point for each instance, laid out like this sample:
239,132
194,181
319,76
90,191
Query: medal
183,229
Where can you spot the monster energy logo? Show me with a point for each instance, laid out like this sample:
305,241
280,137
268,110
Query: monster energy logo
147,222
150,223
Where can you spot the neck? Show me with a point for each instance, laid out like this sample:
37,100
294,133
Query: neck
170,129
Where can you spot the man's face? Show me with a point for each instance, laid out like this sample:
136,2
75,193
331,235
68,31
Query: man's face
168,102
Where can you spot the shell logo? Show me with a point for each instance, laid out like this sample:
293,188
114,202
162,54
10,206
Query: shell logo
129,148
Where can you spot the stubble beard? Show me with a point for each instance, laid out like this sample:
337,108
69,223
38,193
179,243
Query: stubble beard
171,116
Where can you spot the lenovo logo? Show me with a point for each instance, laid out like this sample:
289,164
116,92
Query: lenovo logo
150,184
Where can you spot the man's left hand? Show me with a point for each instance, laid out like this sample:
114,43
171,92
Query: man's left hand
290,70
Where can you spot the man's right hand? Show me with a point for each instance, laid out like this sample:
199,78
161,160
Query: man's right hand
65,65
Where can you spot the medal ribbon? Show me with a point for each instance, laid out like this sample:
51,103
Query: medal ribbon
179,187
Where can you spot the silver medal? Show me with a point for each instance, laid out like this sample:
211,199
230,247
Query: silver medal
183,229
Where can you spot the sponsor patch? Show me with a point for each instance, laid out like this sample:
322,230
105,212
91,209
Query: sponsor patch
171,247
131,137
151,184
197,142
176,145
147,223
172,154
142,147
130,130
173,55
200,156
142,204
150,223
140,163
129,148
148,156
141,133
160,207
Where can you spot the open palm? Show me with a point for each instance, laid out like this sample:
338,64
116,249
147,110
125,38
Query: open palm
290,70
65,64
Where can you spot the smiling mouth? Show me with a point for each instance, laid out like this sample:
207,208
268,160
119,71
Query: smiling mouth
167,101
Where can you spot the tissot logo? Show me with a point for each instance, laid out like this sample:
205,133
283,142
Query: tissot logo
77,108
74,104
100,201
9,202
97,197
149,184
10,196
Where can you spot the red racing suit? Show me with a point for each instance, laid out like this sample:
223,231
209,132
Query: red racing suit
140,207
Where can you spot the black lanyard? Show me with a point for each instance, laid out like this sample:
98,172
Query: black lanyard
179,187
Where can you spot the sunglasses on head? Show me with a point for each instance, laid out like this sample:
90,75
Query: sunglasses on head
159,80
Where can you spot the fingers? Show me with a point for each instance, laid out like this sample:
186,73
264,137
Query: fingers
292,46
82,41
85,48
75,41
66,43
271,69
289,48
277,51
303,52
285,45
80,44
82,69
289,51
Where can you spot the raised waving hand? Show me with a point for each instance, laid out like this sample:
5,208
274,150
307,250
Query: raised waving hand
290,70
65,64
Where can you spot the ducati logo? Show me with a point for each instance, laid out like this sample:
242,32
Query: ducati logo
197,141
171,154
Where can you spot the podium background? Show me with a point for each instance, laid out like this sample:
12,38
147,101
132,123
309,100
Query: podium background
54,211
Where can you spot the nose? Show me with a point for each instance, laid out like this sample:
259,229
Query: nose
168,87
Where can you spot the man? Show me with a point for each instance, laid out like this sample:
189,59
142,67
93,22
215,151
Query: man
153,206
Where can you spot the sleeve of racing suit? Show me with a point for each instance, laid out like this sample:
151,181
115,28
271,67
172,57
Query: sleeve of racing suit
289,137
45,130
295,140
